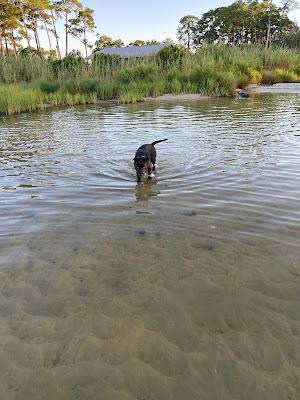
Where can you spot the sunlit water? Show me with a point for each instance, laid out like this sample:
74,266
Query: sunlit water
186,286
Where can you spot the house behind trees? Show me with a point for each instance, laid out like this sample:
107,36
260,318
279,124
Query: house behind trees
132,52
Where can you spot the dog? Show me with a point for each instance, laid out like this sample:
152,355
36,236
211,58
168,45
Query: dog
145,158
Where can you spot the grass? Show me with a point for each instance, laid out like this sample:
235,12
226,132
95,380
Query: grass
28,84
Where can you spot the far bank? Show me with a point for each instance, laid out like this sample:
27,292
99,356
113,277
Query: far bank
29,84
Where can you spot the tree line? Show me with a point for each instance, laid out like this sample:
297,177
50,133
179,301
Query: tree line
260,23
22,20
105,41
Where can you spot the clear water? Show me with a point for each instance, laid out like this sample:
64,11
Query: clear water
184,286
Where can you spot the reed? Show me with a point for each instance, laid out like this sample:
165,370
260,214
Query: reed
29,83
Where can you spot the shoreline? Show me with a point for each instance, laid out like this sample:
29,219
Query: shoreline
175,97
277,88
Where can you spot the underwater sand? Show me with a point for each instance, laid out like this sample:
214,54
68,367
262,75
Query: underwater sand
184,287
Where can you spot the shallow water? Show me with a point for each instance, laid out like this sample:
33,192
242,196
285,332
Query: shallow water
183,287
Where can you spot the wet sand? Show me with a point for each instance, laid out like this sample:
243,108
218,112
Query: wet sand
177,97
277,88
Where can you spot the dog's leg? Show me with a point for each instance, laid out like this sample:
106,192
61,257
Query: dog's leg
149,173
153,160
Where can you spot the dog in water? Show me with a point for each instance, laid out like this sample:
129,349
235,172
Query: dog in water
144,160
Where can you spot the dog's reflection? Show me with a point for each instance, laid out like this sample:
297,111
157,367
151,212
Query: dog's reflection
145,190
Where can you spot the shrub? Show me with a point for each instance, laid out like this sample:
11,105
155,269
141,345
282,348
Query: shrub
105,60
172,55
254,75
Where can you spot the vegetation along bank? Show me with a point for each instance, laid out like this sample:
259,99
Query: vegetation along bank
228,48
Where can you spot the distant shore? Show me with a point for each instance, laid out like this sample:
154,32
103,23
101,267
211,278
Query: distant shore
30,83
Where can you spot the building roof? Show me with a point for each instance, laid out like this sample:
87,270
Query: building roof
134,51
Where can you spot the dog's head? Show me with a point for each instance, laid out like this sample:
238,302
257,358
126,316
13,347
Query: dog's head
140,165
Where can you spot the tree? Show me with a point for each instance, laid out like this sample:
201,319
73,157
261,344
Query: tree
75,53
242,22
33,13
81,24
287,6
168,42
67,7
152,42
187,29
23,28
137,43
9,22
104,42
27,51
56,12
173,54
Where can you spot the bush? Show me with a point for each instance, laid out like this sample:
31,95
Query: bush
48,86
172,55
254,75
68,64
105,60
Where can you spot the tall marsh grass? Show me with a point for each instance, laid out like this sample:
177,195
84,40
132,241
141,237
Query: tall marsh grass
30,83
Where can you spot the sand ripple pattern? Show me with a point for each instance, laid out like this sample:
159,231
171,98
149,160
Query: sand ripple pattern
183,287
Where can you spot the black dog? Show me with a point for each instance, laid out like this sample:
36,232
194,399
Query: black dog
145,158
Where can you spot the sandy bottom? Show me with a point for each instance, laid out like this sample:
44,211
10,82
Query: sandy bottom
280,88
150,316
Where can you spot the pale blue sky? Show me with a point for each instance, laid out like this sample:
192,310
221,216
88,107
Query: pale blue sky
145,20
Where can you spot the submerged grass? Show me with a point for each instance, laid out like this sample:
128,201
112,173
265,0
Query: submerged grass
31,83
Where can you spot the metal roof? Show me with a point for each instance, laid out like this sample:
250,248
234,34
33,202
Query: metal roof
134,51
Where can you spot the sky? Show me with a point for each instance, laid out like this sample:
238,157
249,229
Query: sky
130,20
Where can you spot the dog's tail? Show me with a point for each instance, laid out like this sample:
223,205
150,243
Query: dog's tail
158,141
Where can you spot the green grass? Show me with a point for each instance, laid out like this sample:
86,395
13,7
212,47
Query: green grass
30,83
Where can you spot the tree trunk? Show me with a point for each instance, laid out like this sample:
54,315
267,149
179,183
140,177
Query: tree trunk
24,23
85,41
233,37
268,32
1,46
49,39
27,38
56,37
14,44
255,37
6,45
37,39
66,21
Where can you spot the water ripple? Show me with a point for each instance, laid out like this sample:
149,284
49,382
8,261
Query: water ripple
225,160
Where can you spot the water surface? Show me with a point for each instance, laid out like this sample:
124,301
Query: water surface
184,286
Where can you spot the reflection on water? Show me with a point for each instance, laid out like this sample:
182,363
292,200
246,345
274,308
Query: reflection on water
185,286
147,189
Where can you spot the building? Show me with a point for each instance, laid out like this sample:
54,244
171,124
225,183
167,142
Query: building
132,51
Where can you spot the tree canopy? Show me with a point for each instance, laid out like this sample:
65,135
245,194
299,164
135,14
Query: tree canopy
243,22
23,20
105,41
